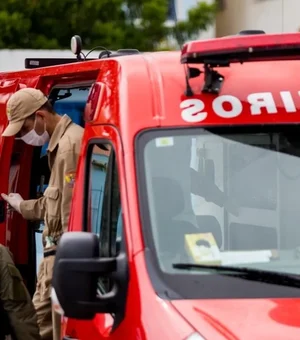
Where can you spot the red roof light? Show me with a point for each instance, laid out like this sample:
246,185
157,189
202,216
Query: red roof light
243,48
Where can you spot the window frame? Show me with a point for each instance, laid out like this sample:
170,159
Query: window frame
67,86
86,186
106,227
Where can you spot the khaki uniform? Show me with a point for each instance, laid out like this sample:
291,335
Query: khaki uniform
54,209
16,300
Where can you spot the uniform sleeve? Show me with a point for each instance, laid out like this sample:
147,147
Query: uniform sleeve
68,164
33,209
17,303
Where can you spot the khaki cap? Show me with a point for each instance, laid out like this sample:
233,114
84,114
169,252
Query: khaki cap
21,105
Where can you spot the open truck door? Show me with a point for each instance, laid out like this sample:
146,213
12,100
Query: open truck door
24,169
15,168
6,145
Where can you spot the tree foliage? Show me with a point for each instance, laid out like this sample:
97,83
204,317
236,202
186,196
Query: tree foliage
199,19
50,24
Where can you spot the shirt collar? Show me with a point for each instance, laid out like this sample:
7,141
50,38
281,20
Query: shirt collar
59,132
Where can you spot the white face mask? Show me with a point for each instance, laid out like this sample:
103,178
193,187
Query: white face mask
32,138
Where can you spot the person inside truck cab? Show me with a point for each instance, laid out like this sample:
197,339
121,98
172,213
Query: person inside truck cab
17,314
32,119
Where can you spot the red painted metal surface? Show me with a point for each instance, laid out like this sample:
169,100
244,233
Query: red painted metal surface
16,226
13,232
243,319
152,97
6,144
148,91
241,43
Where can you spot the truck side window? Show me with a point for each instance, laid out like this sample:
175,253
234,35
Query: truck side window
104,207
98,173
111,219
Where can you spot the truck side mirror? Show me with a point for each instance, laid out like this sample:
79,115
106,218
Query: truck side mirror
77,269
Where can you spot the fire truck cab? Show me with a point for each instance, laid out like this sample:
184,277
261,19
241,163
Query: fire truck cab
185,219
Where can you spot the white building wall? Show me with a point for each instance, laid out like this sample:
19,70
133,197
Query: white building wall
14,60
272,16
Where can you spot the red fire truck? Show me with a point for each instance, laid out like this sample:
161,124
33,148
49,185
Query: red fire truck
184,220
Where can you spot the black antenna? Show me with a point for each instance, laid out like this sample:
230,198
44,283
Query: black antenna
188,91
76,47
102,48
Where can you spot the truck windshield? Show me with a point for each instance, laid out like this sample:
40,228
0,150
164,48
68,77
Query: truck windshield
221,197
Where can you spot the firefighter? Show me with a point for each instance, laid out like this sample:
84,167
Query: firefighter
32,119
17,314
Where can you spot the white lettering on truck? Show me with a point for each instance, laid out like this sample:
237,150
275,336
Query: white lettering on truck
236,106
261,100
194,110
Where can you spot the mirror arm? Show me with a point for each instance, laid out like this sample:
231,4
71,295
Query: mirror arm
95,265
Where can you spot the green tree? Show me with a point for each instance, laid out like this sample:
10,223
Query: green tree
49,24
199,19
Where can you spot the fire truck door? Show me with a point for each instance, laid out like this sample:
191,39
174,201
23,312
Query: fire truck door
15,170
7,88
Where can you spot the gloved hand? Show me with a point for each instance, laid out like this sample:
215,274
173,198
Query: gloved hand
14,200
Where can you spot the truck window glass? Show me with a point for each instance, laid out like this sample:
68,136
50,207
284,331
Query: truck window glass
238,186
70,101
98,174
105,217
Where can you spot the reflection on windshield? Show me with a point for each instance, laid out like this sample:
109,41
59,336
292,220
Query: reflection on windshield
225,199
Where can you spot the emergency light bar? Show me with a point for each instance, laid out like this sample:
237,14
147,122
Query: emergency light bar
242,48
76,48
31,63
